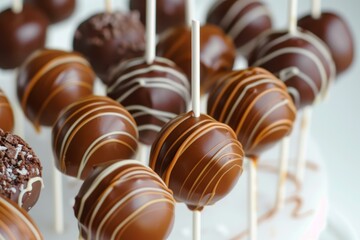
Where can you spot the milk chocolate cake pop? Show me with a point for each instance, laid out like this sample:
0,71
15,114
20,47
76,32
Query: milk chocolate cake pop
300,59
50,80
55,10
92,131
243,20
21,34
217,50
20,171
200,159
256,105
153,93
6,114
16,223
169,13
335,32
124,200
106,39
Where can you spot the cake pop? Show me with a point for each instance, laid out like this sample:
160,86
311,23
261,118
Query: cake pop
55,10
121,201
16,223
50,80
20,171
243,20
91,131
6,114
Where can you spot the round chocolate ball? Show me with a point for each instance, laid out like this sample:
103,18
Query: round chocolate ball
6,114
21,34
49,81
106,39
169,13
20,171
124,200
335,32
55,10
92,131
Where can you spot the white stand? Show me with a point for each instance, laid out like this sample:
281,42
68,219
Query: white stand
283,167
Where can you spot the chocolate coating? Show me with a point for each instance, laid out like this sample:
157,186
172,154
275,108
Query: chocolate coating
16,223
20,171
55,10
124,200
169,13
335,32
242,20
6,114
256,105
301,60
106,39
49,81
21,35
152,93
217,51
92,131
200,159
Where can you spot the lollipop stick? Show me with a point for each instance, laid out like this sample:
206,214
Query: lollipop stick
108,6
316,9
196,225
292,16
195,77
18,113
253,199
188,12
58,201
150,31
284,157
143,153
303,136
17,6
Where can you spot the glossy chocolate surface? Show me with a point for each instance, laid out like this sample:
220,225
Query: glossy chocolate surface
55,10
21,34
256,105
169,13
106,39
335,32
200,159
49,81
124,200
92,131
217,50
152,93
6,114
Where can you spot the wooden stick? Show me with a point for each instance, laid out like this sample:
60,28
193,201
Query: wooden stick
292,16
150,31
283,167
108,6
195,70
316,9
58,201
253,199
17,6
188,12
196,225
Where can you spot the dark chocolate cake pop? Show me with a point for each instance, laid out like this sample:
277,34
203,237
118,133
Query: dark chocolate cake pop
6,114
153,93
217,50
106,39
49,81
92,131
243,20
21,34
20,171
55,10
335,32
169,13
124,200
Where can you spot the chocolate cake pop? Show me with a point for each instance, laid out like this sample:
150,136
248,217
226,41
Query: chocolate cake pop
256,105
20,171
91,131
153,93
55,10
106,39
6,114
175,44
243,20
169,13
335,32
124,200
21,34
50,80
199,159
300,59
16,223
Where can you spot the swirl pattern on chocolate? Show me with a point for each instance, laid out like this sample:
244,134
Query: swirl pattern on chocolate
152,93
90,132
6,114
49,81
256,105
200,159
121,201
243,20
16,224
301,60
